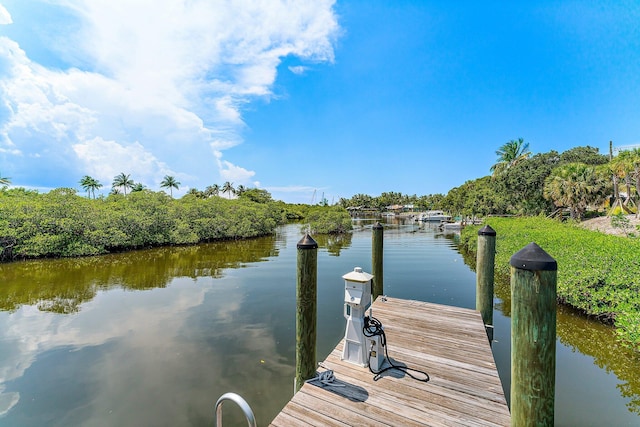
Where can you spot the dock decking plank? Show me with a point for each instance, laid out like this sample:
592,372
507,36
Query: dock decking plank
437,405
449,343
463,391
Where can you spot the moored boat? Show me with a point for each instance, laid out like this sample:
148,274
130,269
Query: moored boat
434,216
451,226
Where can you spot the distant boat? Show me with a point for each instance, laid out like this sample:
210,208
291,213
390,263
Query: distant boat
451,226
434,216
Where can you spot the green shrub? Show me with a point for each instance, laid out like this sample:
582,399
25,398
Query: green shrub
598,274
61,223
328,220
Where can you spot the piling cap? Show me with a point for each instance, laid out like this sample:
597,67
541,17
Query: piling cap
486,231
307,242
357,275
377,225
533,258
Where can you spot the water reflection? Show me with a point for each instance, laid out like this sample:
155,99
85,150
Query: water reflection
133,358
216,318
599,341
62,285
334,243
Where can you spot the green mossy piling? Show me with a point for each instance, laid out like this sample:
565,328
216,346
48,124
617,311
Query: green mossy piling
533,337
306,310
485,263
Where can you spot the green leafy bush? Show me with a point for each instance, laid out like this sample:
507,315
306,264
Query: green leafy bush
327,220
62,224
598,274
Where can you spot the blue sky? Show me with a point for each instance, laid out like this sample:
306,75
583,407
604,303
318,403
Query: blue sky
294,97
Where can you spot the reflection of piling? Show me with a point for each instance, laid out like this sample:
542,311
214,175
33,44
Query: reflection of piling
306,310
377,243
533,337
485,261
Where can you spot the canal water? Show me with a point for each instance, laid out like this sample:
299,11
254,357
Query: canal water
154,337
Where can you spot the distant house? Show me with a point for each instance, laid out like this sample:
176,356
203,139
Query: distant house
395,208
361,210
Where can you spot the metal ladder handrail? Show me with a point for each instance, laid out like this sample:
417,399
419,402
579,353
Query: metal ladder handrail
248,413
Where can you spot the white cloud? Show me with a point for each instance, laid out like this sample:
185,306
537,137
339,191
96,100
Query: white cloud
158,85
106,159
35,98
233,173
299,69
5,16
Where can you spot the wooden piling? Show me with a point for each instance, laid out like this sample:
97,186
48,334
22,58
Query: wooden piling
306,310
533,337
377,243
485,265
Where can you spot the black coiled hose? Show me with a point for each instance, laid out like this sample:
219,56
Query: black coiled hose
373,327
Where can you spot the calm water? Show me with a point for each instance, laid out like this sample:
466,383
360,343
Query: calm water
154,337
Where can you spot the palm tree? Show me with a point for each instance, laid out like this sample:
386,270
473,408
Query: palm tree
509,154
90,185
123,181
625,165
227,187
138,186
575,186
5,180
94,185
196,193
241,189
84,182
634,160
212,190
170,183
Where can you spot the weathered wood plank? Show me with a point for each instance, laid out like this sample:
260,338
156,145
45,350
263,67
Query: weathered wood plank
438,405
459,381
311,417
285,420
379,407
449,343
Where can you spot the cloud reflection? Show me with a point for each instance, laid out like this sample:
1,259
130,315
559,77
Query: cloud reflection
161,356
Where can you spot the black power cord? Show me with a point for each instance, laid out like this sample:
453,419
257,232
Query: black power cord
373,327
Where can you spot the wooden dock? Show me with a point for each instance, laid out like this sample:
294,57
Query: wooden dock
449,343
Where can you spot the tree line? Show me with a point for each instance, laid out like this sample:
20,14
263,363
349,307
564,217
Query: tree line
62,223
521,183
123,182
386,199
525,184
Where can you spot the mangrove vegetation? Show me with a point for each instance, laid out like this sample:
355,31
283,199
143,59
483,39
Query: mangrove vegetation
62,223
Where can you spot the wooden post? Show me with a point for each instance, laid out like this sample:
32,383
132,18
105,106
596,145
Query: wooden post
377,243
533,337
306,310
485,265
